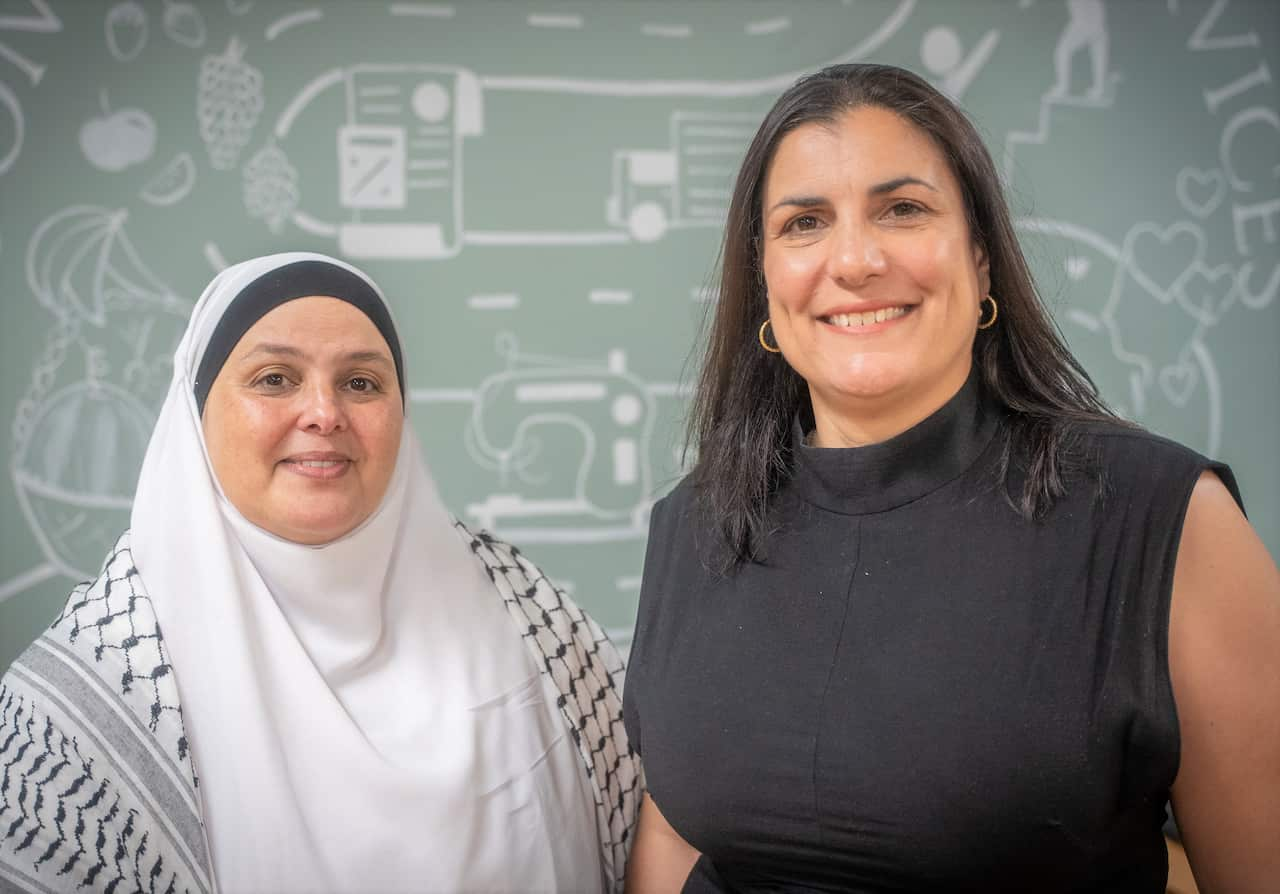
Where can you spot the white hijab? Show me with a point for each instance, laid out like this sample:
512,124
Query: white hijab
362,715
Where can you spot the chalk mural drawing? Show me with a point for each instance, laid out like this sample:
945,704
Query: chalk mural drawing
214,256
1182,301
228,103
943,56
652,87
1206,293
271,187
126,26
172,183
1200,192
46,22
687,183
291,21
80,263
117,139
527,418
1156,262
1086,29
1165,284
401,150
399,160
74,475
239,7
655,191
9,103
183,23
659,29
79,432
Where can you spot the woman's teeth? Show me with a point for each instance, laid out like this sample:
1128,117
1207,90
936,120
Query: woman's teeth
319,463
866,318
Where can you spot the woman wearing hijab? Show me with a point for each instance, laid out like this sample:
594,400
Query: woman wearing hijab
296,672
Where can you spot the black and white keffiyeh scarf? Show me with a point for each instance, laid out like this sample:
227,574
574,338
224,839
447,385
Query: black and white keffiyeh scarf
98,791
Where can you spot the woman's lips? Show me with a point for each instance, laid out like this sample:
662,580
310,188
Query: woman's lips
868,321
322,469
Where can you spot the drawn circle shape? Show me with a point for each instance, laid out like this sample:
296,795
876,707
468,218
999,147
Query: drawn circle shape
430,102
940,50
627,409
647,222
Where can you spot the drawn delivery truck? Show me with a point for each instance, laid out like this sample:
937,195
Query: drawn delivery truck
687,184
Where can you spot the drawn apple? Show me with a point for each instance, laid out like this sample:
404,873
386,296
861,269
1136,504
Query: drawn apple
116,140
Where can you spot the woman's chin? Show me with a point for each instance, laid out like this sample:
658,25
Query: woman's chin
867,386
311,529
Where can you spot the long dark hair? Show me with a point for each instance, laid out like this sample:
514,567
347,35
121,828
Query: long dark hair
746,398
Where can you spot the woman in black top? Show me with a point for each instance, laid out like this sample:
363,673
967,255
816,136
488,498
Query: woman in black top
919,618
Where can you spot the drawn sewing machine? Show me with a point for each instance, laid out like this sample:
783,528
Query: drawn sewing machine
570,444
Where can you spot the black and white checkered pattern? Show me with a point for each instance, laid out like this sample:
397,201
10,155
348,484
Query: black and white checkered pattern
587,670
75,816
112,616
97,788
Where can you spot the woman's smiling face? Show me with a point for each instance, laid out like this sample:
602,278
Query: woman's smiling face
303,422
874,279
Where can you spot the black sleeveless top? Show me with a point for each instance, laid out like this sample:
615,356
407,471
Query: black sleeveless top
918,689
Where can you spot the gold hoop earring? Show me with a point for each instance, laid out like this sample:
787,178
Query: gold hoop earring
995,312
764,344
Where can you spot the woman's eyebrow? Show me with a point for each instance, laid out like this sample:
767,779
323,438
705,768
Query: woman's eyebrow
279,350
898,183
877,189
799,202
367,357
276,350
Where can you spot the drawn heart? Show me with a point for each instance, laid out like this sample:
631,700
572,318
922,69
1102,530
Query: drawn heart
1158,258
1177,382
1208,294
1200,192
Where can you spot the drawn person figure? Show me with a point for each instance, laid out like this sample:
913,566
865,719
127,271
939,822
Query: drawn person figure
919,618
372,697
1086,28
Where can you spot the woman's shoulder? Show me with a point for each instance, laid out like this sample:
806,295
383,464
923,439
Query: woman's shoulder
1128,455
540,609
1118,437
675,509
585,667
106,643
96,733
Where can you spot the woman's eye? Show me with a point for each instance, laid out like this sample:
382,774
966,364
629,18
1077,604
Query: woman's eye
362,385
272,380
904,209
802,224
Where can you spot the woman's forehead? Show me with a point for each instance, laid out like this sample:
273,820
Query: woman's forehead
313,325
867,143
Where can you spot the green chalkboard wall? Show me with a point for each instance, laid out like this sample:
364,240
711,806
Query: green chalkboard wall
539,189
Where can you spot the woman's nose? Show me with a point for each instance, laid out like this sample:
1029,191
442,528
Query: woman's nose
855,254
322,410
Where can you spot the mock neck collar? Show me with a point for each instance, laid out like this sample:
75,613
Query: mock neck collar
877,477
